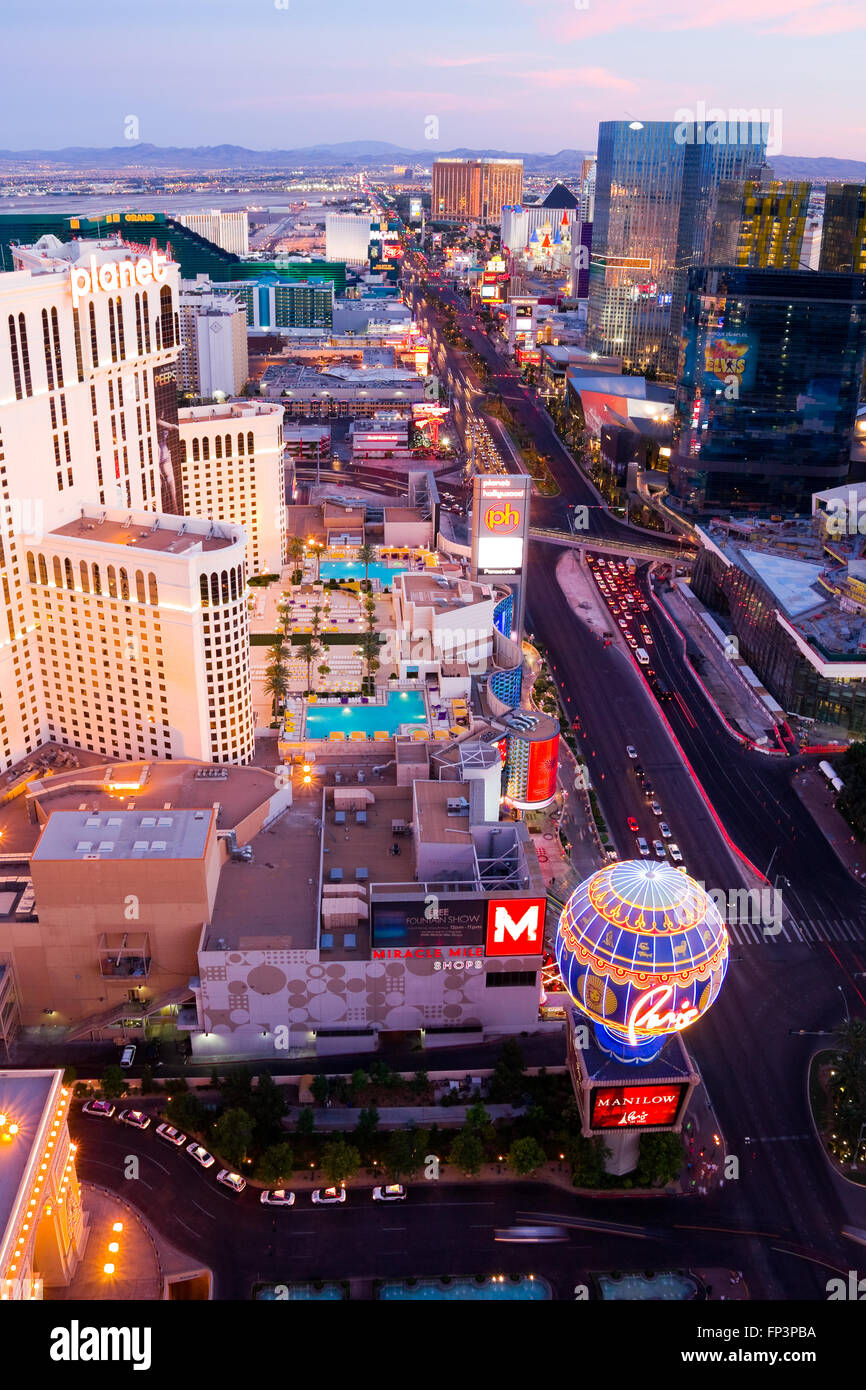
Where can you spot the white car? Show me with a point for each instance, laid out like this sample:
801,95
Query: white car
394,1192
656,808
230,1179
170,1135
277,1198
675,853
103,1109
665,830
642,846
327,1196
658,846
632,752
136,1118
127,1057
201,1156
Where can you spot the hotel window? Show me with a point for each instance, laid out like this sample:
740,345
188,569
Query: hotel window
153,590
16,365
94,343
58,359
112,331
218,447
76,333
138,338
46,343
85,579
165,313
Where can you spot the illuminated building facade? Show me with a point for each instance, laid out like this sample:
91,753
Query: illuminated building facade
759,225
767,397
475,189
232,468
843,242
43,1228
230,230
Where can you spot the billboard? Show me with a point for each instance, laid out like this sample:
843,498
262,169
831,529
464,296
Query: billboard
500,523
432,922
515,927
415,209
728,360
541,777
651,1106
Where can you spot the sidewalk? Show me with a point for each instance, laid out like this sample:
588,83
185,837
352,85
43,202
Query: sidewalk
734,702
819,800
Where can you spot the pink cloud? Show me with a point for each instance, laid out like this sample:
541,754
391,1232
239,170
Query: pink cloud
581,77
800,18
469,62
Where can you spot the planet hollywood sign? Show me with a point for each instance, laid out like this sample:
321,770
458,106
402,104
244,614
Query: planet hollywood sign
117,275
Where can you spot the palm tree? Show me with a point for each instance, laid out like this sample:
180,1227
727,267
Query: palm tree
851,1038
366,554
317,619
324,670
276,684
308,649
284,610
370,650
295,551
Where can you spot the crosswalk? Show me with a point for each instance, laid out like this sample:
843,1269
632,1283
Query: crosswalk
848,930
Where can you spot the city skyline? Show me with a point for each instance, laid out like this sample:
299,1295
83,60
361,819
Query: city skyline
521,76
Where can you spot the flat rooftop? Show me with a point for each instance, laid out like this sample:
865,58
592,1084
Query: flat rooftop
273,901
23,1098
162,534
429,590
122,835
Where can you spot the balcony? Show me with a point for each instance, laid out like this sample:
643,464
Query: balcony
124,955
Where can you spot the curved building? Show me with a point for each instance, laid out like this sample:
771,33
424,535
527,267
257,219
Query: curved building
531,758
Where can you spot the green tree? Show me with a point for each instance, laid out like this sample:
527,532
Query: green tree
508,1081
526,1156
70,1076
267,1105
405,1151
366,554
587,1158
306,1122
236,1088
276,1164
368,1124
324,670
308,650
420,1083
467,1151
113,1082
660,1161
369,643
233,1135
320,1087
146,1080
478,1122
295,550
851,1037
187,1113
358,1081
339,1161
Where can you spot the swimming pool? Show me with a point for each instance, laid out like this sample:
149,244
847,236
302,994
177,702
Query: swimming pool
307,1292
527,1286
666,1286
403,707
353,569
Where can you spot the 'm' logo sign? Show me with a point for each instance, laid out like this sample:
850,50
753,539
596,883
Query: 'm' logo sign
515,927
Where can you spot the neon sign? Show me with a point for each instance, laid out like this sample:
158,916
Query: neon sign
117,275
646,1018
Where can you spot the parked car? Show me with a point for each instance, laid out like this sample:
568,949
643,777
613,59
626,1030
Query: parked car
675,853
394,1192
279,1197
658,846
136,1118
665,830
103,1109
127,1056
234,1181
201,1156
329,1196
642,846
170,1135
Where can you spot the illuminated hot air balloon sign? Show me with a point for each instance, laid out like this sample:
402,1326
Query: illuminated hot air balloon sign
643,951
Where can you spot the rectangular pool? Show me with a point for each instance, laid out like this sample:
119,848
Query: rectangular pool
353,569
403,707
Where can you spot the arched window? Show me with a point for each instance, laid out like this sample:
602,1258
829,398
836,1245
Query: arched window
234,582
250,444
240,444
43,570
152,589
218,446
205,448
25,354
58,358
31,567
138,337
228,446
205,597
112,582
16,364
58,573
183,451
112,330
46,343
67,569
145,314
97,579
166,316
158,335
94,341
139,587
225,586
120,329
195,449
124,584
214,589
85,577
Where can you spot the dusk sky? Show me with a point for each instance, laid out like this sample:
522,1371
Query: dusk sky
535,75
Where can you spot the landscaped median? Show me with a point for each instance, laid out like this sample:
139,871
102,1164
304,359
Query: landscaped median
837,1096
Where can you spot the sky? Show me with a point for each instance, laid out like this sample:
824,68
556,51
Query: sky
522,75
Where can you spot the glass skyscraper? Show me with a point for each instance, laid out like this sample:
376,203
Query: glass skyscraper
769,384
843,239
655,183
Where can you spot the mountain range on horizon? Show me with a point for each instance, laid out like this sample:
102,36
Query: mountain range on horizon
353,155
